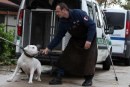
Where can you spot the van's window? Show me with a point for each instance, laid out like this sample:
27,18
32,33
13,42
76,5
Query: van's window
115,19
16,1
128,15
90,11
51,4
97,17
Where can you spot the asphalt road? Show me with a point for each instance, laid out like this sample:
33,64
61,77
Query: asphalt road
102,78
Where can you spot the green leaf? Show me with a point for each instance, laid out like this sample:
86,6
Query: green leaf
7,50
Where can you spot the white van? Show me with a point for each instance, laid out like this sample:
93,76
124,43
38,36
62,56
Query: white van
37,24
120,20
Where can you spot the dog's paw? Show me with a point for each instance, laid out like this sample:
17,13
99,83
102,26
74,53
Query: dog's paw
30,82
9,80
39,80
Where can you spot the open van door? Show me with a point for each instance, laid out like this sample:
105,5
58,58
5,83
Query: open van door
16,1
43,27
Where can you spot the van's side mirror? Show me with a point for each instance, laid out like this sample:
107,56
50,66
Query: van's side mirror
109,30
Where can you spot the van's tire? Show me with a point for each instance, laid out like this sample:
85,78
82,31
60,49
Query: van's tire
127,61
107,63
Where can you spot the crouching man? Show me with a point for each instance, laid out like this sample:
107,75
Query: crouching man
80,55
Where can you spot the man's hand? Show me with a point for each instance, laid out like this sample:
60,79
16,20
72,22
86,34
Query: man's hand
45,51
87,45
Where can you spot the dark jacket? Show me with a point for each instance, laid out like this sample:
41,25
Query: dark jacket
76,60
75,16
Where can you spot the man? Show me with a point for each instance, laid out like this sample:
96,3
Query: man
80,55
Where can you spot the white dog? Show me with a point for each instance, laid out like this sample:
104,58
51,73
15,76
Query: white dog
28,63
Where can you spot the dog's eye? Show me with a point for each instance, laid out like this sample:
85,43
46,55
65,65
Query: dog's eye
33,47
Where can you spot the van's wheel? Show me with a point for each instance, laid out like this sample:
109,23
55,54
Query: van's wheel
107,62
127,61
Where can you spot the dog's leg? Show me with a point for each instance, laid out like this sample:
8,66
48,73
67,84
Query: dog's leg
31,75
38,74
14,74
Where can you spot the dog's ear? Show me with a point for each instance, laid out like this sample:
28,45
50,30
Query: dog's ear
39,46
25,48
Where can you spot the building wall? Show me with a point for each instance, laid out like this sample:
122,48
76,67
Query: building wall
10,22
2,18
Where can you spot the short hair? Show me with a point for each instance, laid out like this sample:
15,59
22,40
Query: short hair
63,6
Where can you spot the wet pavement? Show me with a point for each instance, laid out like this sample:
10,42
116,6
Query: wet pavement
102,78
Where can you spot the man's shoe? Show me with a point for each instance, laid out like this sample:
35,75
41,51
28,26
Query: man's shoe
87,83
56,81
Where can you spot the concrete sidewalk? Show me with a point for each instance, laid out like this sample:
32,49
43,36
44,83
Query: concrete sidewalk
101,79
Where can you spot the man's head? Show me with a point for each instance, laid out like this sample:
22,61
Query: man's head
62,10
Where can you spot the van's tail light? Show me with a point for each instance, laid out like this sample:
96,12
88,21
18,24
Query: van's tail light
20,23
127,28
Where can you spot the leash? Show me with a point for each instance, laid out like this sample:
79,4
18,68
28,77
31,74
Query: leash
30,56
11,42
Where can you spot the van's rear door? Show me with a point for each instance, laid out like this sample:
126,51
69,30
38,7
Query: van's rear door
26,28
43,27
117,20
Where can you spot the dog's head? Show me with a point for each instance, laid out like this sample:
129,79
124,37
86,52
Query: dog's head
31,50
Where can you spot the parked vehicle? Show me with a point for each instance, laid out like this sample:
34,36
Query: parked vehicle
120,20
37,24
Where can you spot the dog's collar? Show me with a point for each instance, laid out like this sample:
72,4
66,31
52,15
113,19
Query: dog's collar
30,56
